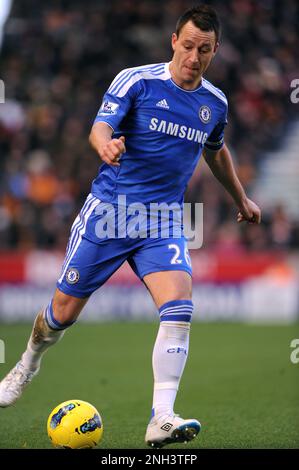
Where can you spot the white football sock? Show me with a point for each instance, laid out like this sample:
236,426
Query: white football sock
169,359
42,337
31,359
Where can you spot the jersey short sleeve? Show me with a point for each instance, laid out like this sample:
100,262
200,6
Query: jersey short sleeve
215,140
119,98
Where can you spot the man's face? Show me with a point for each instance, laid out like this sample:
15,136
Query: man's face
193,52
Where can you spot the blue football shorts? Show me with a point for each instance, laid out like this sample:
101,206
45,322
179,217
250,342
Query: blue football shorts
91,259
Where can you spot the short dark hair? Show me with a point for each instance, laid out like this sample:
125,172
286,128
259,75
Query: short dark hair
203,17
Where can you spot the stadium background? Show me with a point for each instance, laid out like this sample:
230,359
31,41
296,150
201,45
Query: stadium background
56,60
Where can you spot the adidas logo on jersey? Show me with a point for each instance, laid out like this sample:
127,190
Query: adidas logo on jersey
162,104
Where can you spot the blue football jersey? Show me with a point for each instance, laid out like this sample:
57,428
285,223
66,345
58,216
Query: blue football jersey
166,128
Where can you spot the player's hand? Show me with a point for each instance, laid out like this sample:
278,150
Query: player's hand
249,212
113,150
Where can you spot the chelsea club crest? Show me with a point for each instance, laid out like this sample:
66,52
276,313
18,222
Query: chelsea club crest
205,114
72,276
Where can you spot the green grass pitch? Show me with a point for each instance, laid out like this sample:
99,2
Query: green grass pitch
239,382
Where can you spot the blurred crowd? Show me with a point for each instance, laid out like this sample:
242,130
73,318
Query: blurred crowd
59,57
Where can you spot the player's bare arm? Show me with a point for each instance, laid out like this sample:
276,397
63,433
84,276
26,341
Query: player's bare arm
221,164
109,149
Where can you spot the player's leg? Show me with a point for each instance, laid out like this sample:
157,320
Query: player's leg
50,325
164,266
48,328
171,291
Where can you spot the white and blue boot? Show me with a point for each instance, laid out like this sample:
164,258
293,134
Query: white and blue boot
170,429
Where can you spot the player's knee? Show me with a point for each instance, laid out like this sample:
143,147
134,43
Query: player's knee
184,294
183,289
179,294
